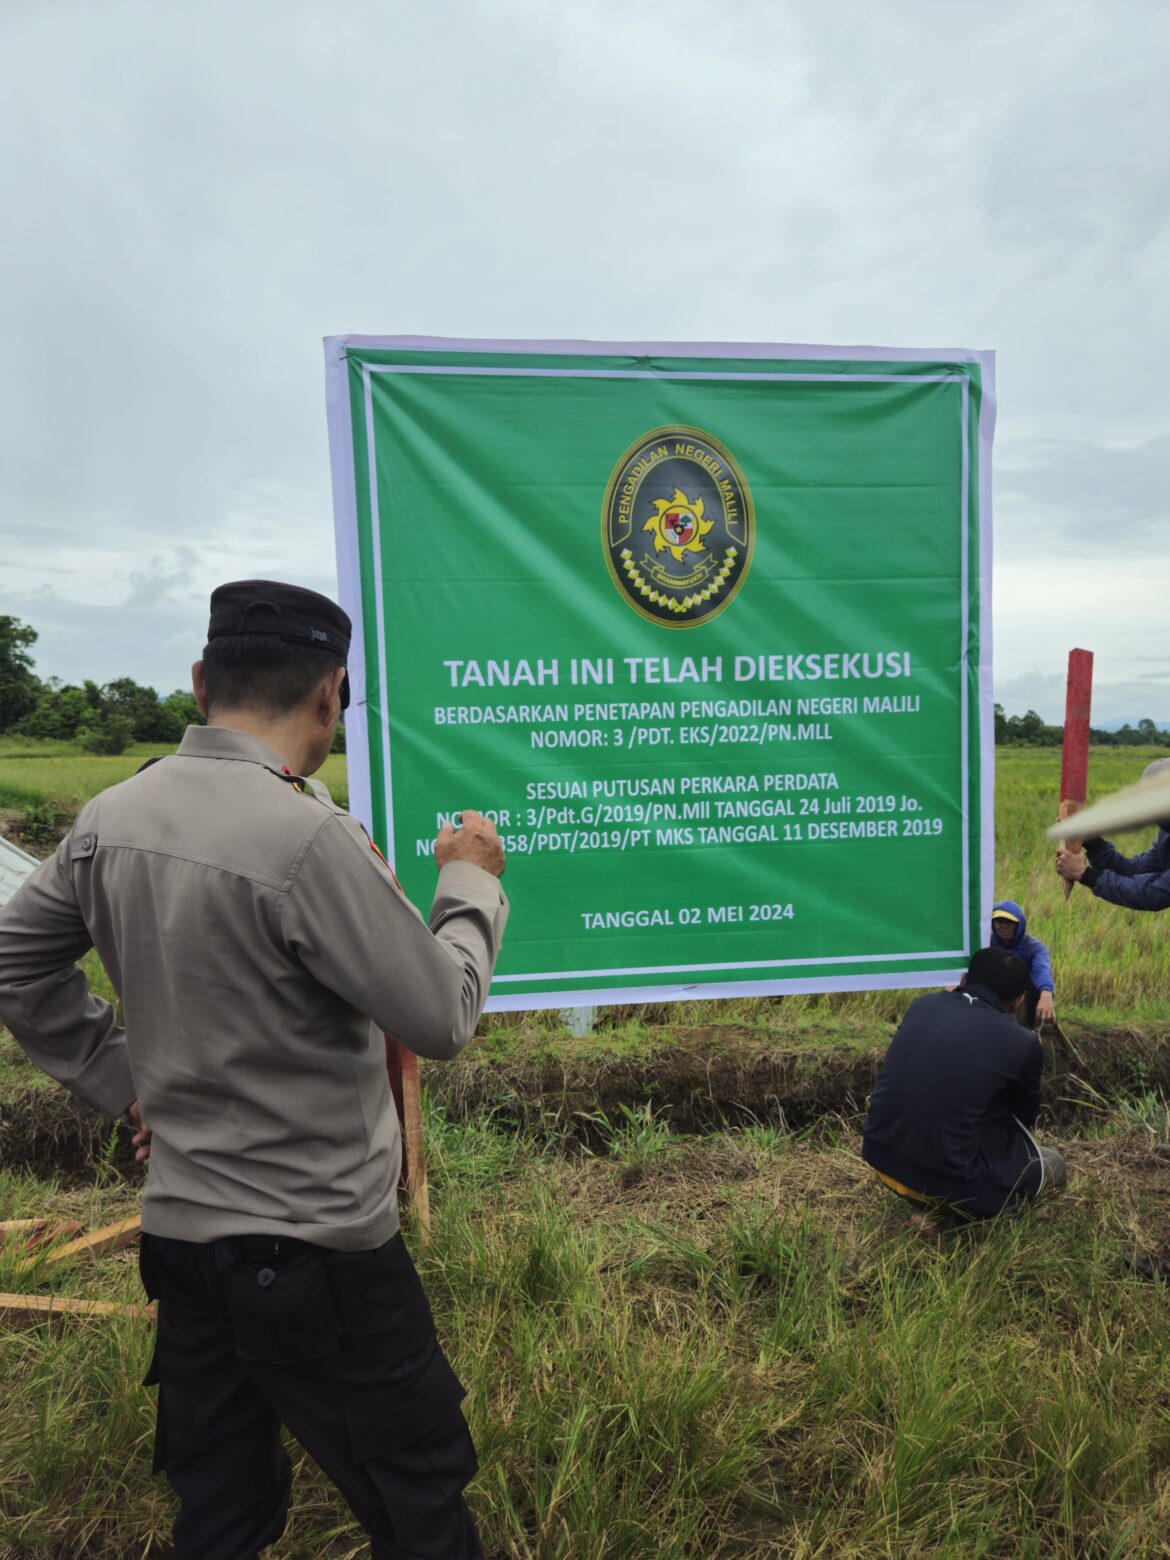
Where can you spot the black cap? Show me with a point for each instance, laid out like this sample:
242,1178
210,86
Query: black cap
303,617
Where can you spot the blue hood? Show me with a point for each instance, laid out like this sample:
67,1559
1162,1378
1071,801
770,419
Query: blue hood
1012,909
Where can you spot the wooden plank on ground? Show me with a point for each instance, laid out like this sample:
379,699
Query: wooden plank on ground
31,1233
112,1238
61,1308
22,1227
65,1230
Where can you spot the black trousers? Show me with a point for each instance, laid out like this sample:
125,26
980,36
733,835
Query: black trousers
340,1347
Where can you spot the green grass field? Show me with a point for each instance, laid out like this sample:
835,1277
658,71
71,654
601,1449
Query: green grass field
720,1346
1109,962
697,1349
62,773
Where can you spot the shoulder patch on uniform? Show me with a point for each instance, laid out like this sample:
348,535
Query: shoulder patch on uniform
379,854
295,781
82,846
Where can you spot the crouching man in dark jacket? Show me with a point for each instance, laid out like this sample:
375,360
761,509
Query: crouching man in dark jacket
949,1121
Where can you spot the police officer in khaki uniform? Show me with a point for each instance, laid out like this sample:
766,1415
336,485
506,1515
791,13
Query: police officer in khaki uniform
260,947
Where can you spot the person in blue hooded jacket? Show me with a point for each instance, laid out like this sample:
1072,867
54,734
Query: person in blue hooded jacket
1009,929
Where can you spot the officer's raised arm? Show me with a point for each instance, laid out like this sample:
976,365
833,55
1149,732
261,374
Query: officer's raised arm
349,923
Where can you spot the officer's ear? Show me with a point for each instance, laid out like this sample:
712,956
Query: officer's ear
199,688
327,702
1015,1005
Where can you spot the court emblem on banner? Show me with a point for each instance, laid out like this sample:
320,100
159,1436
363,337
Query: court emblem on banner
678,527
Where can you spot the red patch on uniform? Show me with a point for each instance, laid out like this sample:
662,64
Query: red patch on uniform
385,863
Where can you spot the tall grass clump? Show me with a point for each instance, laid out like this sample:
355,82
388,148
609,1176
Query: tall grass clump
741,1353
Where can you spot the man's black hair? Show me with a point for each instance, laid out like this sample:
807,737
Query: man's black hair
1004,973
262,672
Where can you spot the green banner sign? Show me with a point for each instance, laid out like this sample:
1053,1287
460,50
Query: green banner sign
705,629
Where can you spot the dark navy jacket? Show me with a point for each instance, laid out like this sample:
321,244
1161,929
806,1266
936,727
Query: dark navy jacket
940,1119
1139,882
1033,952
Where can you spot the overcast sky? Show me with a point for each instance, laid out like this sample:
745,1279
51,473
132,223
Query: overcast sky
194,195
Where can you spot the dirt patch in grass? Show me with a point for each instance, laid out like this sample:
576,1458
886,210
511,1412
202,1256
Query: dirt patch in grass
693,1190
695,1193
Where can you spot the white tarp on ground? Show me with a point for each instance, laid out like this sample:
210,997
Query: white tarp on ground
15,866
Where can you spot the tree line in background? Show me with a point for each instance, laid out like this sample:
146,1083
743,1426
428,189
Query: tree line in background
105,719
1030,731
108,718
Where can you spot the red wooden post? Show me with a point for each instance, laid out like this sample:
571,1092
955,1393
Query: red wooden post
1074,761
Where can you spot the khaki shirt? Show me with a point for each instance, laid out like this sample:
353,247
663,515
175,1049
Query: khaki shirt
260,946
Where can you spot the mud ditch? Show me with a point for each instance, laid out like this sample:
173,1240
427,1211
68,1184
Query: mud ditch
52,1135
702,1078
697,1079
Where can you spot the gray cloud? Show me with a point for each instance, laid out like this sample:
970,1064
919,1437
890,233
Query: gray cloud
199,194
1114,703
1107,497
75,642
158,583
